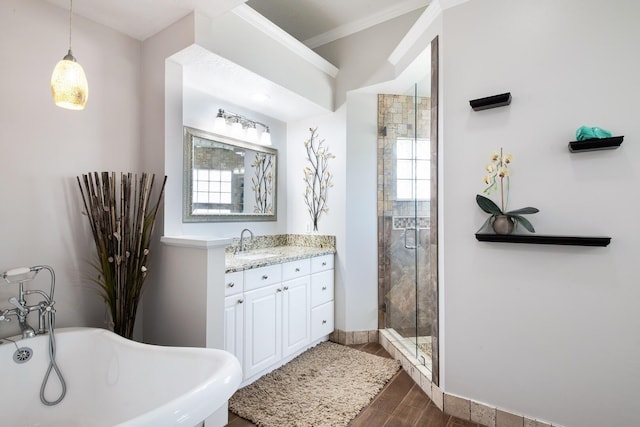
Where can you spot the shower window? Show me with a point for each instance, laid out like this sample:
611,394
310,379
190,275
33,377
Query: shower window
413,170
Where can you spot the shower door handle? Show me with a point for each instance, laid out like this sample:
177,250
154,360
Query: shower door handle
415,238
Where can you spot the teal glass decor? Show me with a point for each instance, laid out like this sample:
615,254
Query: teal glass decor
585,132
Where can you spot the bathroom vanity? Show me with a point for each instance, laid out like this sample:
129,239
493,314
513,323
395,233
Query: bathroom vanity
278,303
265,305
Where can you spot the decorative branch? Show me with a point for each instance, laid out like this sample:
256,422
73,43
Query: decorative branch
122,234
261,184
317,177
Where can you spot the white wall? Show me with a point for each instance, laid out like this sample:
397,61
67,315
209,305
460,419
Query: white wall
43,148
233,37
351,135
330,127
549,332
361,233
362,57
161,92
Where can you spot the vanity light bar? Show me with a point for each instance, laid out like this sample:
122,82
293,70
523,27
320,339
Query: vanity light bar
240,127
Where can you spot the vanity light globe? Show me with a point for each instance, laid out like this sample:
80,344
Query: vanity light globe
69,85
252,134
265,138
220,125
236,130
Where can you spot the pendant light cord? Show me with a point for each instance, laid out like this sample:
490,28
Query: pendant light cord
70,14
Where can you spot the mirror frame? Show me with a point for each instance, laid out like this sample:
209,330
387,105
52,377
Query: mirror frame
187,185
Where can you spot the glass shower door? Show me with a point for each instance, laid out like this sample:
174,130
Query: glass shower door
404,212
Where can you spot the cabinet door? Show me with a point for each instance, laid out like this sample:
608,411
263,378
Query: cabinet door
322,320
234,326
296,315
263,328
321,287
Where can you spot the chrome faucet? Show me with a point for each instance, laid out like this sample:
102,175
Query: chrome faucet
22,310
242,246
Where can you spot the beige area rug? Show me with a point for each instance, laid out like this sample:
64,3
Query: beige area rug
327,385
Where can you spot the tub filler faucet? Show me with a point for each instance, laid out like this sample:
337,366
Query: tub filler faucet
21,310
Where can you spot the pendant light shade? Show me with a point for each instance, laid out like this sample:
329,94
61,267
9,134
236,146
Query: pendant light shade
69,85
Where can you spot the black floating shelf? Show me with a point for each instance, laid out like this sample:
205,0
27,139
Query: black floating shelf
491,101
596,144
539,239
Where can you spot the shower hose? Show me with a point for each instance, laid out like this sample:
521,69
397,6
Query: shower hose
53,366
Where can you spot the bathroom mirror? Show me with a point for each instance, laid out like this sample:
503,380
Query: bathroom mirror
227,179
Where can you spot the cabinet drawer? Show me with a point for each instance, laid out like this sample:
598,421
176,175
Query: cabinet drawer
320,263
295,269
321,287
263,276
321,321
233,283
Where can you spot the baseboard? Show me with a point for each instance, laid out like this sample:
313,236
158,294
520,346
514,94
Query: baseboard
460,407
354,337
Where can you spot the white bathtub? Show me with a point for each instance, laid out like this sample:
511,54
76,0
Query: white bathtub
112,381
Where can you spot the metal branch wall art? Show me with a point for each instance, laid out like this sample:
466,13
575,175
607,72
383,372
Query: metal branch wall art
261,183
317,177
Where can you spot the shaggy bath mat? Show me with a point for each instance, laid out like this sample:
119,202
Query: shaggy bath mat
327,385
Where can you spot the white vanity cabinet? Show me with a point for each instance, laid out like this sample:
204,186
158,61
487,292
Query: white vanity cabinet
296,306
234,314
262,329
321,296
277,320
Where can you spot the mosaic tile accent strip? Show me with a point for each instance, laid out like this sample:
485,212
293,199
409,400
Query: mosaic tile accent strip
402,222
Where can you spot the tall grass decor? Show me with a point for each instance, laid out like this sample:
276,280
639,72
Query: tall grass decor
122,221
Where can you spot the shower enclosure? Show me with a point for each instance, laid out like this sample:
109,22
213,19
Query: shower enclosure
407,219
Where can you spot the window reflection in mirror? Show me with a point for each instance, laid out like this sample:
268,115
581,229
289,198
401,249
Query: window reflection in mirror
227,179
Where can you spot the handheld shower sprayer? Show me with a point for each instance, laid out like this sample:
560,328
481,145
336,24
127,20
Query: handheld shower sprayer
46,311
21,275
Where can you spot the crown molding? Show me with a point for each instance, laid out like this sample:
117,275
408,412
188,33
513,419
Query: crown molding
353,27
278,34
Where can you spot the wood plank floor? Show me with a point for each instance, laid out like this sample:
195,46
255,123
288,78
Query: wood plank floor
400,403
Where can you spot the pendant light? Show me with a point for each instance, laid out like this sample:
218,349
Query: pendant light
68,82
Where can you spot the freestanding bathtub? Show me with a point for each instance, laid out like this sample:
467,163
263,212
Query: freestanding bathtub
112,381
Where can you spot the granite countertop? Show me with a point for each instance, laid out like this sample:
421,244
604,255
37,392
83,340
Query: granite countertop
268,256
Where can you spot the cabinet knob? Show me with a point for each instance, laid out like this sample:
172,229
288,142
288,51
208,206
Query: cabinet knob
240,301
286,288
324,263
231,284
324,288
278,290
324,322
265,277
297,270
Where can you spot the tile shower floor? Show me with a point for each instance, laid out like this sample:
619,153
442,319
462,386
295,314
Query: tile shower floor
400,403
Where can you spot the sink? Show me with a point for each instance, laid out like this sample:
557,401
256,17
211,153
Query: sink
251,257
